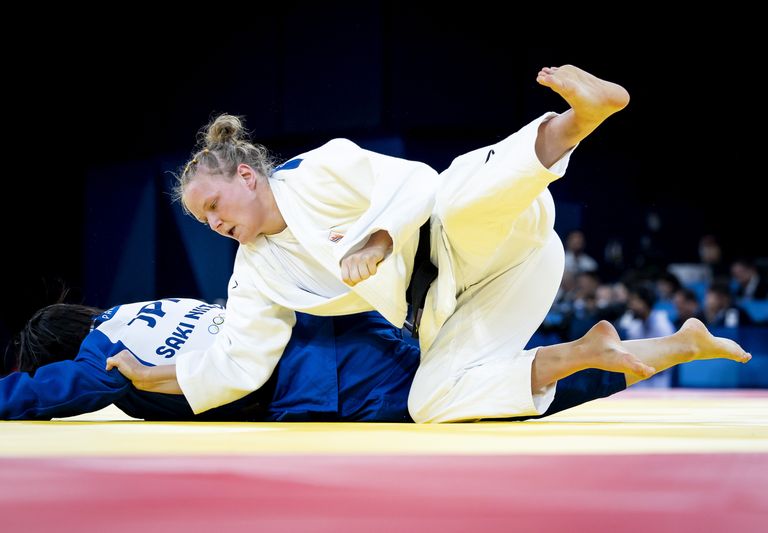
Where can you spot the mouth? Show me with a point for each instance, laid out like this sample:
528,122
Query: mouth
231,232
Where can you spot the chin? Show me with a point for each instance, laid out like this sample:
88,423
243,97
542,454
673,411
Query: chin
244,239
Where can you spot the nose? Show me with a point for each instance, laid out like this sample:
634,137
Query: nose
215,223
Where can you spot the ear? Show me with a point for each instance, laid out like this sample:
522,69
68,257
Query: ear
249,174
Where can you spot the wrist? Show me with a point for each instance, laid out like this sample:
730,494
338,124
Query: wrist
381,239
144,379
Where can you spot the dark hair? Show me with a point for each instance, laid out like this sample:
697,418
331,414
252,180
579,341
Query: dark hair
720,287
670,278
54,333
688,294
645,292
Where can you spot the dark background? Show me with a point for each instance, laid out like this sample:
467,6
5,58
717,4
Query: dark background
83,100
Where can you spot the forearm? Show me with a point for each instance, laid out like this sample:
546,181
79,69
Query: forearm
158,379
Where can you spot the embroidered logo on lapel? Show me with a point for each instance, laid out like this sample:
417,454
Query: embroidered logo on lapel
335,236
288,165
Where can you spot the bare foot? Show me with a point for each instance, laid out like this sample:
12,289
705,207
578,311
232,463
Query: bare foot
601,348
591,98
703,345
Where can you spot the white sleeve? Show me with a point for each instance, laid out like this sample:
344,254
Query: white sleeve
244,353
401,193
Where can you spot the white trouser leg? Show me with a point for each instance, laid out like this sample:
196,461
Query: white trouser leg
484,193
505,263
477,367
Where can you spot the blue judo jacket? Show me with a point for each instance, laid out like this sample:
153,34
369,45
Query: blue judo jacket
355,367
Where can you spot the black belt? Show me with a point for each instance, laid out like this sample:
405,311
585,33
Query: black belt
424,273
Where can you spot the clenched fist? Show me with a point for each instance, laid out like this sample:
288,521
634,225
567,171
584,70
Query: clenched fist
363,263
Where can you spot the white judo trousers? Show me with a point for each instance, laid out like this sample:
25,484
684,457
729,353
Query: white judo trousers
497,217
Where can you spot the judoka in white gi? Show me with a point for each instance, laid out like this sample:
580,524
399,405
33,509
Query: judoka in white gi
334,231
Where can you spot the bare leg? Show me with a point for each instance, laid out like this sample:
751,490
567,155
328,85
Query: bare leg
592,100
693,342
637,360
600,348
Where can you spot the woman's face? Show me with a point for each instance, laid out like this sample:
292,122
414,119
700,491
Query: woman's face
241,207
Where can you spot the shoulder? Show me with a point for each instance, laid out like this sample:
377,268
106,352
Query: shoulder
333,147
332,150
342,143
338,144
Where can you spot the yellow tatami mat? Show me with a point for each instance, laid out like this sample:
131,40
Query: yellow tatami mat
644,421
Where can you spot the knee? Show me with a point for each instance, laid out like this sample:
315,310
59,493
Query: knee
425,398
418,408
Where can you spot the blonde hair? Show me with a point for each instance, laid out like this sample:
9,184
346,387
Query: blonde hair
222,145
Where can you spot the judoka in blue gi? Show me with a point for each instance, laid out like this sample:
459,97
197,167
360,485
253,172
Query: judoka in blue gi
354,368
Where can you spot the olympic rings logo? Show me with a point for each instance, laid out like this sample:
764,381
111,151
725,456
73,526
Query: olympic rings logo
214,328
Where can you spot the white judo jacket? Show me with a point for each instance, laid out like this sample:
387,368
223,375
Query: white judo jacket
332,198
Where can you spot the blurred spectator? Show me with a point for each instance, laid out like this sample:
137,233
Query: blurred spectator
586,286
611,303
719,309
711,256
612,266
641,321
747,281
584,309
651,260
667,285
620,294
576,259
687,305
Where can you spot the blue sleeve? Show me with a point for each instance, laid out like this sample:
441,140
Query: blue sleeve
65,388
